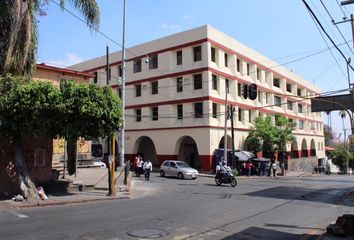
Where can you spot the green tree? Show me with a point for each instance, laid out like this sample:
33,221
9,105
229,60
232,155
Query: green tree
341,156
19,30
36,108
90,112
27,109
328,135
269,137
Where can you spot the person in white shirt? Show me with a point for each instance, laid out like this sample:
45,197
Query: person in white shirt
274,168
148,169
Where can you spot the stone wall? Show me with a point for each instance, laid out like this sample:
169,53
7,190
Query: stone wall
38,155
302,164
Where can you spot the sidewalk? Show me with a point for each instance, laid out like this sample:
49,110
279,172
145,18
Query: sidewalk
90,184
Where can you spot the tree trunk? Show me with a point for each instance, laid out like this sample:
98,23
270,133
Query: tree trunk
27,187
71,149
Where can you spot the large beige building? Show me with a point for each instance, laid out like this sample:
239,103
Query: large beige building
176,90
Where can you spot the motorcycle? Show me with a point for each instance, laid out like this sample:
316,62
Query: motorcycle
225,177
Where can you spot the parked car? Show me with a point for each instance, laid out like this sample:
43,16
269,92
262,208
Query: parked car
179,169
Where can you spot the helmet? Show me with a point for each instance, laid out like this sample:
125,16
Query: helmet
223,163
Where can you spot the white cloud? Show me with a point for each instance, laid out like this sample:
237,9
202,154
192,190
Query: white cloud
70,59
188,17
171,26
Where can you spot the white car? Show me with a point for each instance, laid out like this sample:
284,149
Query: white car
179,169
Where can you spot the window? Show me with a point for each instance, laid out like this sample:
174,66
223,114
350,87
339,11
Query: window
137,65
138,115
109,74
267,98
238,65
119,92
198,84
227,82
215,110
258,74
179,111
155,113
300,108
214,80
240,114
213,54
153,62
95,79
248,69
299,92
198,110
226,60
277,101
276,82
179,84
179,57
301,124
250,115
197,53
260,96
138,90
120,71
239,87
290,105
154,88
288,87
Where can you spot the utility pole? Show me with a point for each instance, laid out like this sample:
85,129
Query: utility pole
122,145
232,108
225,126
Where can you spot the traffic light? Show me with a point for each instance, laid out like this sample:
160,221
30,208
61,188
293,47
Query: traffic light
252,91
245,91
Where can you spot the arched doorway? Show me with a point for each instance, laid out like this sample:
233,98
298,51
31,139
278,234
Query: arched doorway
188,152
313,148
294,150
145,147
304,152
248,146
229,143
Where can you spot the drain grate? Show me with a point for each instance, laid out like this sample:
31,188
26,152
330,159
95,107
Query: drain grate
148,233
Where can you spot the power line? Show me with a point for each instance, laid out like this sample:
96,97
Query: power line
341,8
334,44
340,32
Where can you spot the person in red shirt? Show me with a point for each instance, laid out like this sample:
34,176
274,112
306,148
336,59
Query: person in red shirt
249,167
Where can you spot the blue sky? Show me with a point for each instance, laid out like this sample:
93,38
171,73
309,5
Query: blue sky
281,30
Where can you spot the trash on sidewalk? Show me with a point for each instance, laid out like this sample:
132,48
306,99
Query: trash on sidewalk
41,193
18,198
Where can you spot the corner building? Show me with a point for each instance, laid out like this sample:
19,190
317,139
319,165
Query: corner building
175,98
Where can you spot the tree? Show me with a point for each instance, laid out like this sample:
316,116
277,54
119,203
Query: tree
90,112
341,156
36,108
19,30
269,137
27,109
328,135
343,114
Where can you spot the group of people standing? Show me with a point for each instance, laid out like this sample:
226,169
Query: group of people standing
139,165
259,168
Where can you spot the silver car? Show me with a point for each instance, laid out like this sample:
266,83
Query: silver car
177,169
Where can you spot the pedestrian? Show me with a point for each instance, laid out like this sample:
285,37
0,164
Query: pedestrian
249,167
274,168
147,169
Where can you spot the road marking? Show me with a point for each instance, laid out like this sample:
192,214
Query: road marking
22,216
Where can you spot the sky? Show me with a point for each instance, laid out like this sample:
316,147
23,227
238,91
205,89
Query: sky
281,30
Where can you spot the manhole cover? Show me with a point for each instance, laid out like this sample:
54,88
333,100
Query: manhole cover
148,233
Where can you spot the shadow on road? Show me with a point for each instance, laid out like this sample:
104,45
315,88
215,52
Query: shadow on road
330,196
255,233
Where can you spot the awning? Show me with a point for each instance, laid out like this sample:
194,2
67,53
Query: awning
244,155
328,148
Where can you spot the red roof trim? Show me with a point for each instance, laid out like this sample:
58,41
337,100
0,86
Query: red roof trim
63,70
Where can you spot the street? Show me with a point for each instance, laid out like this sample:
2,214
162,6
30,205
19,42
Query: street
168,208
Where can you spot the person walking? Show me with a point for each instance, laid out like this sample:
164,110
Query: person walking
274,168
147,169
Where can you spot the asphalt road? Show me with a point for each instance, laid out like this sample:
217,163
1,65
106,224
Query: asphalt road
167,208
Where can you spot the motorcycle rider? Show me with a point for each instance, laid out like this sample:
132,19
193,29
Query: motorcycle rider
223,170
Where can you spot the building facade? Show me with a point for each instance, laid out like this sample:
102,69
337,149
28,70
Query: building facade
175,97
